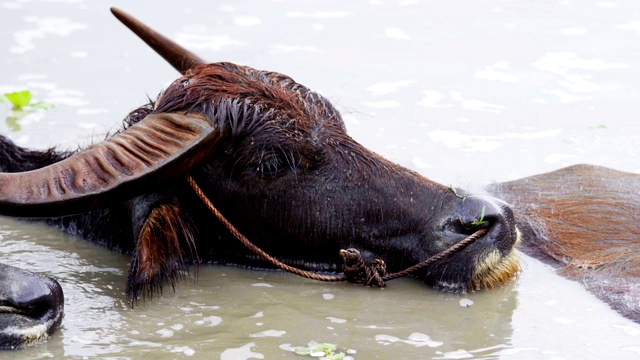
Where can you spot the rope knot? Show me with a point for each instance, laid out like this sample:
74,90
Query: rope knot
357,271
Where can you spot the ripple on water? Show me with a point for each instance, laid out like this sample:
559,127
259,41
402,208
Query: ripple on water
634,349
247,20
628,329
396,33
184,350
385,88
242,353
200,38
209,321
262,285
415,339
165,333
336,320
497,72
268,333
43,26
457,354
453,139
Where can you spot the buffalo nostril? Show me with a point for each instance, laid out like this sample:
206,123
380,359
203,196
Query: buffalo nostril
477,212
486,212
480,220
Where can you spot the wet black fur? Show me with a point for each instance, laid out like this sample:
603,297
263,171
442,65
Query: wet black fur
289,177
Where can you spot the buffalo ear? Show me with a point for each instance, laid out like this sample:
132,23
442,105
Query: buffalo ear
157,148
180,58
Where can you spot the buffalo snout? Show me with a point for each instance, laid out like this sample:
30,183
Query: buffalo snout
488,262
31,307
478,212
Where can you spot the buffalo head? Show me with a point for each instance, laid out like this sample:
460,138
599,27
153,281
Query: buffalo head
276,160
31,307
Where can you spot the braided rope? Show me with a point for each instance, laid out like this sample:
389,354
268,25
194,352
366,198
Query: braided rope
439,256
355,269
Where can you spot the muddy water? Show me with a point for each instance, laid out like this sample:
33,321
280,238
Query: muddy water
465,93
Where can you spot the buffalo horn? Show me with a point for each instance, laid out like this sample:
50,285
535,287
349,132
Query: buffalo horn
180,58
158,148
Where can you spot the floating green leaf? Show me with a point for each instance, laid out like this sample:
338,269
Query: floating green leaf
321,350
19,99
22,106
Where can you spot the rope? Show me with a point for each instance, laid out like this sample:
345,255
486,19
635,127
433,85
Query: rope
355,269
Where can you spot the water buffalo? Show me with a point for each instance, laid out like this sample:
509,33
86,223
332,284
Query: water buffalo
274,157
31,307
585,220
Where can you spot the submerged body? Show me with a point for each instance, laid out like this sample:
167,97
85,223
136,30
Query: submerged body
585,220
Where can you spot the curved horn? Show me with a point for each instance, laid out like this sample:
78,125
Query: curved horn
158,147
180,58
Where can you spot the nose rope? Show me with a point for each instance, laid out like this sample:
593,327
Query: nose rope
355,269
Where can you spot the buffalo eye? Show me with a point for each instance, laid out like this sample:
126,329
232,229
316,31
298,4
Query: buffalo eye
274,162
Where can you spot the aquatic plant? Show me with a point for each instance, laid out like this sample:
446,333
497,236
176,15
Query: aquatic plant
22,106
326,351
